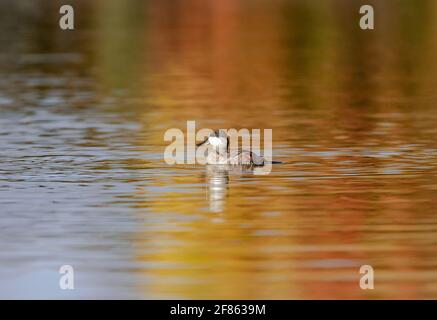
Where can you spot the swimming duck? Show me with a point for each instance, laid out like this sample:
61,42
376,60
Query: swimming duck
219,141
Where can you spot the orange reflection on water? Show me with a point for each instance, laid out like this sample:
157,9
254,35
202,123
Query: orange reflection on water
354,124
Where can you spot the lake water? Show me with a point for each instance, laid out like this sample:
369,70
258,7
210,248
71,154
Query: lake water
83,181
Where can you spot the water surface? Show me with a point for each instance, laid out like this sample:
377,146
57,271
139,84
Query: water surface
83,182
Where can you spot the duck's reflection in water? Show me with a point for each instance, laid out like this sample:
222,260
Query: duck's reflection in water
218,183
217,177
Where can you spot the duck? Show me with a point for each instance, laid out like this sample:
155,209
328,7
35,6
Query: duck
222,155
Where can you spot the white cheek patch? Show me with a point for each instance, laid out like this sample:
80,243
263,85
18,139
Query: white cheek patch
215,141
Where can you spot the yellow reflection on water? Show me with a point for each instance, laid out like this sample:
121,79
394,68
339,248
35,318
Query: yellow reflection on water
354,125
348,117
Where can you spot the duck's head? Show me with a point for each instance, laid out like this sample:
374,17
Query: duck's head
219,140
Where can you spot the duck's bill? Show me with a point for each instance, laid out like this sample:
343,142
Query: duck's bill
205,142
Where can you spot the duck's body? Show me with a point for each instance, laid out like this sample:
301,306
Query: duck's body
221,154
243,157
